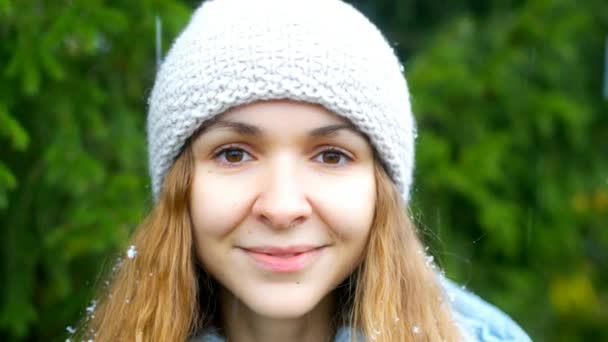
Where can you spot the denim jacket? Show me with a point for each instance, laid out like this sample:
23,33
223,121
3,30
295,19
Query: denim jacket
478,320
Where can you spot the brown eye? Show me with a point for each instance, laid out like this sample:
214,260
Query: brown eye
232,155
333,157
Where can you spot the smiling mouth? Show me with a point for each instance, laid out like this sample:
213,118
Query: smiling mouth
284,260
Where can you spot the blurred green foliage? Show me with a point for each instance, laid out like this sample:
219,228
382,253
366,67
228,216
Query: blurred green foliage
73,178
513,161
512,165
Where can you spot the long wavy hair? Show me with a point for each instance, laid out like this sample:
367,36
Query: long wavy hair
163,294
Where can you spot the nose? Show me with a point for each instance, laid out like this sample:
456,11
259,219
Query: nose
282,202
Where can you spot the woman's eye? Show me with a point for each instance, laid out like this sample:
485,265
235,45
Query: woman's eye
333,157
232,155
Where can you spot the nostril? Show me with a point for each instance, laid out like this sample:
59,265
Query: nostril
277,222
278,212
266,221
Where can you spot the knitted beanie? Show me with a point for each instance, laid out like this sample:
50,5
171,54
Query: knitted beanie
235,52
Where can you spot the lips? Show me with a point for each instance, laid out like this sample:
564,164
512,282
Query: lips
284,260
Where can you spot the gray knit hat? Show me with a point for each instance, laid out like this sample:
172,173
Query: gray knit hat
235,52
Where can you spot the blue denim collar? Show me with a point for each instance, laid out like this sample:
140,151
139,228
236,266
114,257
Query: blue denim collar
477,319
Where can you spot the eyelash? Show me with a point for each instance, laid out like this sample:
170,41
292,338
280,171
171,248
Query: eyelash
330,149
222,151
343,154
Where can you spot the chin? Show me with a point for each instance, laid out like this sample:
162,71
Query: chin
284,310
282,304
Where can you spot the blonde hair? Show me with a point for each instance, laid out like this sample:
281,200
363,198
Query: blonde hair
163,294
396,290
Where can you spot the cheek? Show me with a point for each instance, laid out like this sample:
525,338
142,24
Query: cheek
347,204
217,204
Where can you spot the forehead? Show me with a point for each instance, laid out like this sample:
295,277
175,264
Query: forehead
285,117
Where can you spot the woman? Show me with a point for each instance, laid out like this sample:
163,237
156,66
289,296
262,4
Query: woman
281,148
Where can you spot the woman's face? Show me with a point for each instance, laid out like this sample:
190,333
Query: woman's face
282,203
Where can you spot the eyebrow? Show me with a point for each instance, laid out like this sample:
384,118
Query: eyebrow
252,130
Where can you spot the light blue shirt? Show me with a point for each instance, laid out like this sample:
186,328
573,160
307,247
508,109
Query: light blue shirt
478,320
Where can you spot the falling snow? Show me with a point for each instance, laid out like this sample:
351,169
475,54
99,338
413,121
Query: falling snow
91,308
429,260
117,265
70,329
131,252
416,329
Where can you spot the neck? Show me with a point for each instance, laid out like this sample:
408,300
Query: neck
241,324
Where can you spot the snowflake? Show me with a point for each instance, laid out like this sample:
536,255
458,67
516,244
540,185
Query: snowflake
429,260
131,252
92,307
